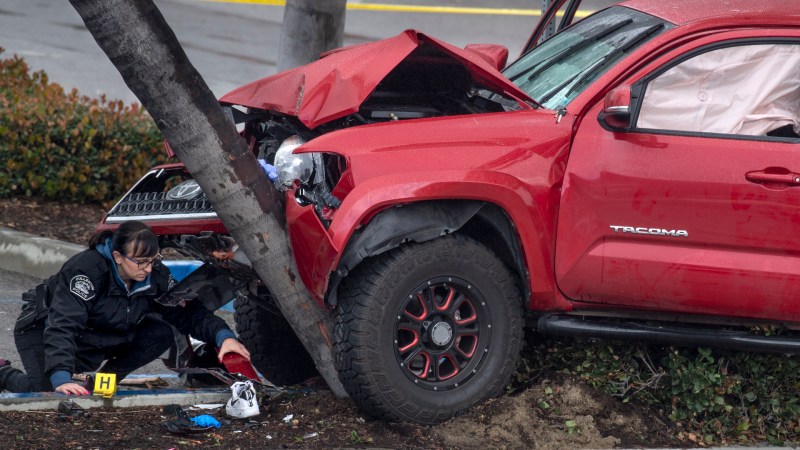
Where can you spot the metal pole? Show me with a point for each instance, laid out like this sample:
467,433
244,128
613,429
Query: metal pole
551,27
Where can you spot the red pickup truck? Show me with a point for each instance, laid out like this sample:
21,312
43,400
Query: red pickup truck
631,176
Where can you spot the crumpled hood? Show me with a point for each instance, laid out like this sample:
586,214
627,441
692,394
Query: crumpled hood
337,84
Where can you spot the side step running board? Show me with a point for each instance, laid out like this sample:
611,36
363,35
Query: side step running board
664,333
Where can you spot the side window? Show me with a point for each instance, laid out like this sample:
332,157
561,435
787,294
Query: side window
751,90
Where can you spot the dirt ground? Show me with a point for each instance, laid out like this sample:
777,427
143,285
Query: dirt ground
554,413
576,418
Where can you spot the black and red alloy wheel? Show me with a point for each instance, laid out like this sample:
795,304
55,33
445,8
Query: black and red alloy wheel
442,332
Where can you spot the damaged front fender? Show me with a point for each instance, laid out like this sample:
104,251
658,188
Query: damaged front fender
416,222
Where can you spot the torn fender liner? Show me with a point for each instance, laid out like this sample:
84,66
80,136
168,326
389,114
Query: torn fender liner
337,84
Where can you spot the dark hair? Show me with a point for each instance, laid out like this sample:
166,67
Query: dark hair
145,242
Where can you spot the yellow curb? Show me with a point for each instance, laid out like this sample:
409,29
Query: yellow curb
416,8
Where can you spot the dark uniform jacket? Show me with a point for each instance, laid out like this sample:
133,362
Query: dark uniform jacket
88,313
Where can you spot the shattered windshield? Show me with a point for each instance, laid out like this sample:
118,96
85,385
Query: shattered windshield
558,70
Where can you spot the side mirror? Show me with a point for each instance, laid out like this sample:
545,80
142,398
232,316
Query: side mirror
494,54
616,114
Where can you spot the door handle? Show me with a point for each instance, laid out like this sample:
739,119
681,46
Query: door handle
772,176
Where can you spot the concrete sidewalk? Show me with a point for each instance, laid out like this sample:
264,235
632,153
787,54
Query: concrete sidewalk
33,255
122,399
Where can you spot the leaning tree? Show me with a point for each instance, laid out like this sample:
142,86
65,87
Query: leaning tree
141,45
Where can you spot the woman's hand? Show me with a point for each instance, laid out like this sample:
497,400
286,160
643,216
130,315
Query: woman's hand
231,345
72,388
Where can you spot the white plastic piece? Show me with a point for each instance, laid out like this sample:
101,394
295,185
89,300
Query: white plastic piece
202,406
243,402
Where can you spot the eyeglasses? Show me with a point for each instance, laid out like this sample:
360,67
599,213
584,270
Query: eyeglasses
144,264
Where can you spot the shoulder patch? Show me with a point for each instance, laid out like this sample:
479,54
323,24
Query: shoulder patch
171,282
82,286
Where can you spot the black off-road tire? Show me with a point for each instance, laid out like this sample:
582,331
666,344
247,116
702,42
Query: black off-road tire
382,344
274,347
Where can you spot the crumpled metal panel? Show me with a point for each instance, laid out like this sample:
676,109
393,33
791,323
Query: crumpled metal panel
336,85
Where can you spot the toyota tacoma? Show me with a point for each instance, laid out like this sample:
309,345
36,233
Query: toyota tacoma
631,176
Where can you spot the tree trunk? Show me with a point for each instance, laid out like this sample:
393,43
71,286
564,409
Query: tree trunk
140,44
310,27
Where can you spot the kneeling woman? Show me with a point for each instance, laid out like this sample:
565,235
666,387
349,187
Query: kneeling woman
101,307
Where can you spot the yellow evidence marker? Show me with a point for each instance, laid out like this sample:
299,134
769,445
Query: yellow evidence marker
105,384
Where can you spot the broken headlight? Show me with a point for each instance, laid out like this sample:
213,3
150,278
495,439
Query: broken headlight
316,173
291,167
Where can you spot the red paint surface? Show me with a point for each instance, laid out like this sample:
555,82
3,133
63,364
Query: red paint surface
564,184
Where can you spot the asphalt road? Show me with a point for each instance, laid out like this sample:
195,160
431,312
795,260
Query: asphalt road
12,285
229,43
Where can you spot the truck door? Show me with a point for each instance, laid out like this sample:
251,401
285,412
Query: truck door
695,207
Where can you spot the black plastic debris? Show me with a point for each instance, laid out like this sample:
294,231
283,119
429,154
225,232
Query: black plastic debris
252,424
68,410
181,424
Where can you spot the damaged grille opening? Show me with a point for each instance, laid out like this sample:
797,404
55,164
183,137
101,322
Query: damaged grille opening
270,133
163,194
157,203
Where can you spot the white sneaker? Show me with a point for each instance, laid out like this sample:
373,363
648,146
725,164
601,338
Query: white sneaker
243,402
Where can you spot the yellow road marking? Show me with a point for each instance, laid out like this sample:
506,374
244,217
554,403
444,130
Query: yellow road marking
444,9
416,8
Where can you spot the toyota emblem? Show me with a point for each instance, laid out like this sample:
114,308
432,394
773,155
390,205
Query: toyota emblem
187,190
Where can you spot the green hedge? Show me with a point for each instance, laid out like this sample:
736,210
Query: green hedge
713,397
63,146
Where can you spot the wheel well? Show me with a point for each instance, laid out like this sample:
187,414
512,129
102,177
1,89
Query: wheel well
423,221
492,227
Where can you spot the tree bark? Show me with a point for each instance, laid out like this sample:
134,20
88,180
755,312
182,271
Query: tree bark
142,46
310,27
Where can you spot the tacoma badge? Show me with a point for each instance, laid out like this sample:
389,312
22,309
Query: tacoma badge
651,231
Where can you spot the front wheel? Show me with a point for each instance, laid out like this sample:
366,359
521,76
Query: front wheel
427,330
275,349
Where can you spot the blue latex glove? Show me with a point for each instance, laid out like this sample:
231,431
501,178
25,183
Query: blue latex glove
269,169
206,421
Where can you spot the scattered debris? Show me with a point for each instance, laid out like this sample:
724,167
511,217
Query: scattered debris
206,406
206,420
68,410
182,425
252,424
